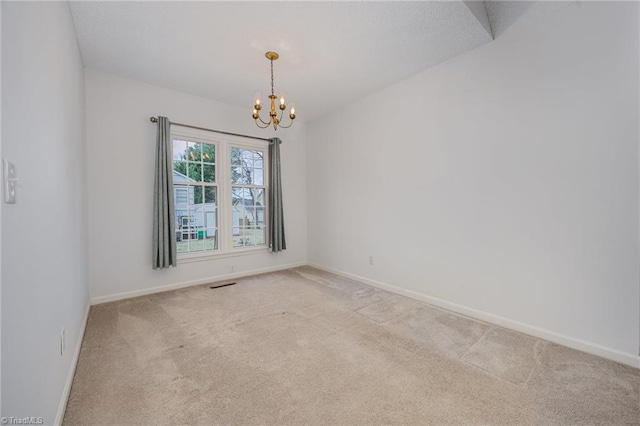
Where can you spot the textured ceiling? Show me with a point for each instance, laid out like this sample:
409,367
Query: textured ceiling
503,14
331,53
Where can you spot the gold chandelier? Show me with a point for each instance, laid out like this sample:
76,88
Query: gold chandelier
273,113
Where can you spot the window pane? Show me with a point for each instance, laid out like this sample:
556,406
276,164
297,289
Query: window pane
244,238
186,222
238,175
260,237
247,166
179,149
194,151
236,196
208,173
258,196
247,158
195,244
251,216
239,216
243,195
180,195
184,230
194,172
210,208
180,171
210,217
236,159
210,194
192,196
197,195
208,153
249,237
260,220
198,216
237,155
258,177
257,158
211,239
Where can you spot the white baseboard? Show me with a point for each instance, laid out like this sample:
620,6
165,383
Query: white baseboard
581,345
143,292
72,369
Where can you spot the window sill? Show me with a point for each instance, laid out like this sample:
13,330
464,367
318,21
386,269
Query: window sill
201,257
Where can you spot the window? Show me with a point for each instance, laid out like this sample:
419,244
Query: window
219,193
247,188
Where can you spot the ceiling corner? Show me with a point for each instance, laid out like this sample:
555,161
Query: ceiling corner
479,11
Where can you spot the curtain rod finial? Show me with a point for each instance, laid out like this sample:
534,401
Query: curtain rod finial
153,119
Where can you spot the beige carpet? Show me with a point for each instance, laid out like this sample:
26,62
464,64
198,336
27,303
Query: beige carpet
306,347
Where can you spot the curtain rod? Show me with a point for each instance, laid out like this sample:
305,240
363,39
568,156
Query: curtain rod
155,120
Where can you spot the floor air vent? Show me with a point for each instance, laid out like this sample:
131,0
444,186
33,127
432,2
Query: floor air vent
221,285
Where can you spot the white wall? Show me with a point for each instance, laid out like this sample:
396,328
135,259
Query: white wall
44,286
120,157
502,183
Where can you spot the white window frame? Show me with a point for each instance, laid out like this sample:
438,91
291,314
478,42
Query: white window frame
223,144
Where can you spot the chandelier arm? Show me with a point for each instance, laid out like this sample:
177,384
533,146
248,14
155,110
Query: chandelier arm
262,127
263,122
286,127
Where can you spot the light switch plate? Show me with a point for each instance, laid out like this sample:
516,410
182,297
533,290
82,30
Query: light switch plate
9,179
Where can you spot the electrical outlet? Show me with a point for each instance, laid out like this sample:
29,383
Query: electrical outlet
370,260
62,342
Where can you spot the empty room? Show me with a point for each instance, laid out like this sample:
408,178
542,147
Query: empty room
320,213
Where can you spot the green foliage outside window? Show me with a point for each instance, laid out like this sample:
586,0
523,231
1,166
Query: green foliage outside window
197,163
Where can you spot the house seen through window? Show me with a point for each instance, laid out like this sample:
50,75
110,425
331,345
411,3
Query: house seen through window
219,195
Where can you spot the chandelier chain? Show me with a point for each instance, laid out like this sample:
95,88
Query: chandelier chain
272,76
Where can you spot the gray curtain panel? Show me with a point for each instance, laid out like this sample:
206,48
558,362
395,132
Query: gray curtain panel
164,235
276,216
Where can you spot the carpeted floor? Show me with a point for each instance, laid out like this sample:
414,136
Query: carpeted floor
306,347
